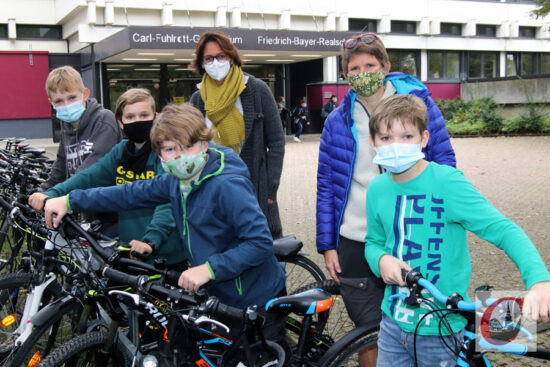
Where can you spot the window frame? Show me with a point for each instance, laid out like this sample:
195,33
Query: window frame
488,26
401,52
450,34
403,22
38,26
482,65
444,78
366,21
5,28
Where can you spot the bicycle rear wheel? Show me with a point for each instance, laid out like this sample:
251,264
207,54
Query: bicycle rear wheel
301,271
344,352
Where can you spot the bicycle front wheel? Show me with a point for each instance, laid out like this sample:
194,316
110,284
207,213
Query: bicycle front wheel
345,351
83,350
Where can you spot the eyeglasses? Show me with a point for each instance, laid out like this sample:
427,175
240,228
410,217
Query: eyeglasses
220,57
366,38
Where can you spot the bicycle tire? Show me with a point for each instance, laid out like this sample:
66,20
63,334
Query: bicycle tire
81,346
56,331
301,271
12,302
344,352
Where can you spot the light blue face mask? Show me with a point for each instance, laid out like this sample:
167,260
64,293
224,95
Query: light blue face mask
70,113
398,157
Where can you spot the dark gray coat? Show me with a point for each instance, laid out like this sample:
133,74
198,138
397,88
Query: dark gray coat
264,145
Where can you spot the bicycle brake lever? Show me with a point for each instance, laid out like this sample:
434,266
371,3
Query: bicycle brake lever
204,319
133,296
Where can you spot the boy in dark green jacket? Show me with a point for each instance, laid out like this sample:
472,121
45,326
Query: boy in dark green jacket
129,161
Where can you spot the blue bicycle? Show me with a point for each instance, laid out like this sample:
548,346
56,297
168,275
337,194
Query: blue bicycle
501,327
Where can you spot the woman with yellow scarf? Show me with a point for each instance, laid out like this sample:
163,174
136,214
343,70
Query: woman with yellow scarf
244,113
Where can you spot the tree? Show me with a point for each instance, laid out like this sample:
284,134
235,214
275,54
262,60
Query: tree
543,8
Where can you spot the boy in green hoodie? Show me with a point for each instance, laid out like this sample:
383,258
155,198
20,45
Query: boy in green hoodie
418,213
129,161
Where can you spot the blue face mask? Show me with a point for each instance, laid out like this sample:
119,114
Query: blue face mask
398,157
70,113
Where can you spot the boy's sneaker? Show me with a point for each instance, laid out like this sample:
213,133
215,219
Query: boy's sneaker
297,140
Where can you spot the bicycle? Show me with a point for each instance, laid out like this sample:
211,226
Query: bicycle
467,354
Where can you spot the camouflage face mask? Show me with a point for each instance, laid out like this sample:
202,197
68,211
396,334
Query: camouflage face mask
367,83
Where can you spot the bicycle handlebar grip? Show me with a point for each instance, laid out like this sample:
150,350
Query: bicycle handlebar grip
120,277
227,311
172,277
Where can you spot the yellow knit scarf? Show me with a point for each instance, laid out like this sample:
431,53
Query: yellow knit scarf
219,104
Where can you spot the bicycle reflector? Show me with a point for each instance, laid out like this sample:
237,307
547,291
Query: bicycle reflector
7,321
35,359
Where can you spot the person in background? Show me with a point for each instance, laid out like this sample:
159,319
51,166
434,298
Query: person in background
129,161
329,106
346,168
302,118
284,113
244,113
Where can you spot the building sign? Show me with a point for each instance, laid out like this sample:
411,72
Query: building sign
243,39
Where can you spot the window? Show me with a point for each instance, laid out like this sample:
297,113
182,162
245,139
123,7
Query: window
484,30
398,26
404,61
527,32
362,25
511,67
38,32
451,29
524,63
482,65
545,64
443,65
527,63
3,31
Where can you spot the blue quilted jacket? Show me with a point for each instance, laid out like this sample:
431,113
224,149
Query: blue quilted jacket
338,149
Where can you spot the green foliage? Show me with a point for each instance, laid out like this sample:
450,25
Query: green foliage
543,8
482,116
473,117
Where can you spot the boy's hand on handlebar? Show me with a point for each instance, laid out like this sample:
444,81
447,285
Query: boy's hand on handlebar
332,264
36,200
141,247
536,304
390,269
57,207
193,278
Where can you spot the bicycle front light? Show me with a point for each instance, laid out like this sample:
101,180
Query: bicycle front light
150,361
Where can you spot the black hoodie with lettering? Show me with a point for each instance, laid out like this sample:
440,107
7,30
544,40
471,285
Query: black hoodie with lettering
97,133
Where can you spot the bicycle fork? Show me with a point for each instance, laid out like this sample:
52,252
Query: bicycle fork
32,303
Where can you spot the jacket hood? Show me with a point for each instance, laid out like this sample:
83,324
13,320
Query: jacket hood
223,161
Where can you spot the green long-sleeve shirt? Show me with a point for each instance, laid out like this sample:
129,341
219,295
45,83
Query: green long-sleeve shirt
424,223
153,224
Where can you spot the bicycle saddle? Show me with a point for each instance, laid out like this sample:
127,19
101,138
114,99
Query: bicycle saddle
306,303
286,246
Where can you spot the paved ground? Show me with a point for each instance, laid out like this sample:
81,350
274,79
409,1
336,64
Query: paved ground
513,173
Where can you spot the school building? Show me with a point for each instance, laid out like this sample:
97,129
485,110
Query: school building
459,49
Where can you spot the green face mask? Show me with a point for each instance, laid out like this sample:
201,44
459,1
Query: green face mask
367,83
186,166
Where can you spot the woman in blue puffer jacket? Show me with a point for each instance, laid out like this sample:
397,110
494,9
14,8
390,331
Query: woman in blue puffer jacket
346,168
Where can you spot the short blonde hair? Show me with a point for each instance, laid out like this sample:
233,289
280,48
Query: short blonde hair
132,96
375,48
183,124
404,107
64,79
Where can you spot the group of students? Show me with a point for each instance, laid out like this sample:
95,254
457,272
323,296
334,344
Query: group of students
388,195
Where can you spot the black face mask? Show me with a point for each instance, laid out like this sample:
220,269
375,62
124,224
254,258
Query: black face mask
138,131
